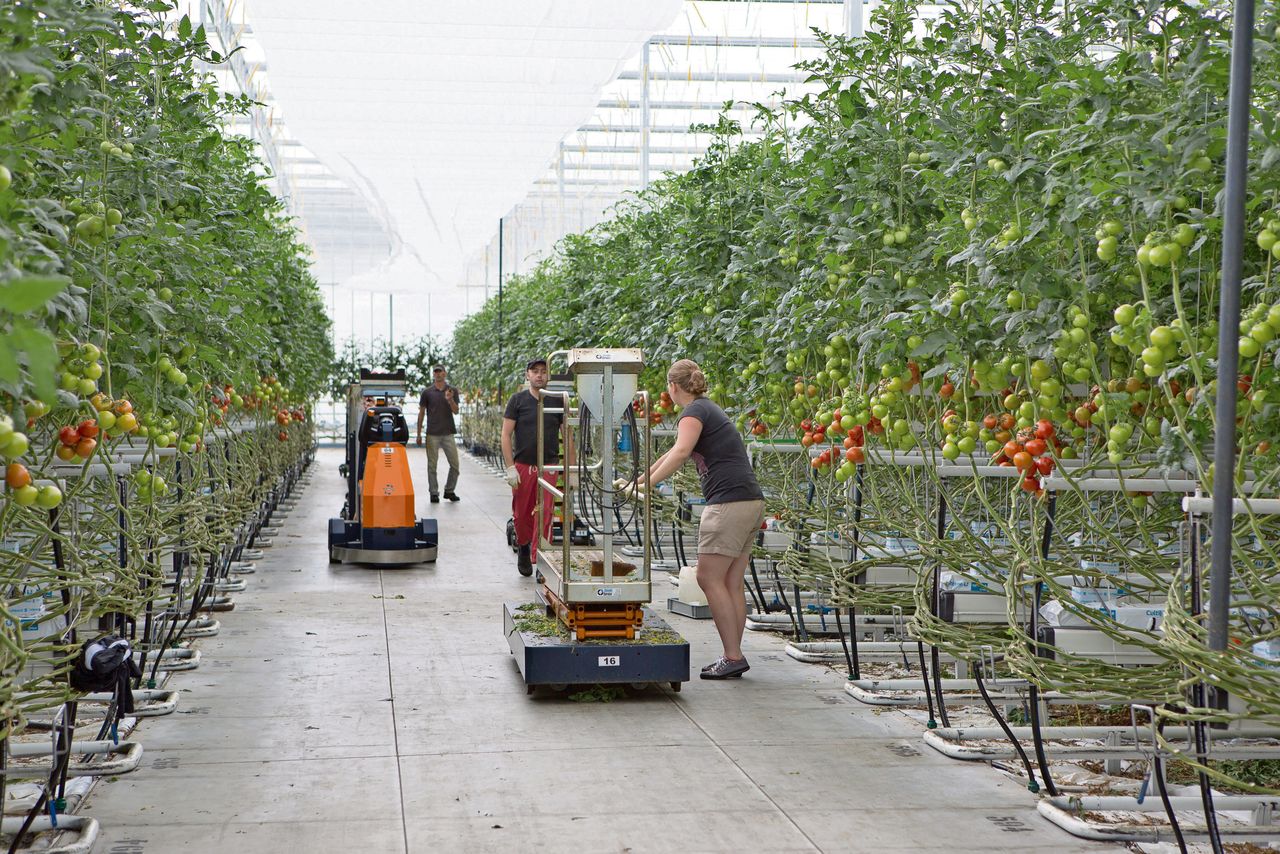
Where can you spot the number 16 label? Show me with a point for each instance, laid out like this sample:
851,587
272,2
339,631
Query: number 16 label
610,660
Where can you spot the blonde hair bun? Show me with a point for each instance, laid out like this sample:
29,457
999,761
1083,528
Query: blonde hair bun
687,375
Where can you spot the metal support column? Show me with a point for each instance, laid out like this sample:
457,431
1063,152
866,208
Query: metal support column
853,18
644,116
1224,436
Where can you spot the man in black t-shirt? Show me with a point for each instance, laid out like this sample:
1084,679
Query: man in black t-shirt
520,453
438,405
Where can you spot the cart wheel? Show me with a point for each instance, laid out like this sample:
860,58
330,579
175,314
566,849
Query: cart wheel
675,686
528,690
511,534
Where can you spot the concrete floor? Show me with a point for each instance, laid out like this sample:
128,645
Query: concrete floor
347,709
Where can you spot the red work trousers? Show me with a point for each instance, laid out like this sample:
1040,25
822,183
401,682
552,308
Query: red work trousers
524,505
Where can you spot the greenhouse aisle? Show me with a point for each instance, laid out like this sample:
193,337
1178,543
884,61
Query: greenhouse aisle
346,709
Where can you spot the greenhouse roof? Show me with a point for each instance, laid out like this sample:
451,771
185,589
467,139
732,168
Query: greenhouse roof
401,132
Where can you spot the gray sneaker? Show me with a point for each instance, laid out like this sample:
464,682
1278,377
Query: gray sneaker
713,664
726,669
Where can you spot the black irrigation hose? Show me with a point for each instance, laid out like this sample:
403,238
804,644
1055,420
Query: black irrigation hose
1033,693
937,602
851,652
677,532
755,577
1198,695
62,759
848,661
1157,772
1206,791
924,676
1032,785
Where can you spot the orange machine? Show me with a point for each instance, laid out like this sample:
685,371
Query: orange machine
378,523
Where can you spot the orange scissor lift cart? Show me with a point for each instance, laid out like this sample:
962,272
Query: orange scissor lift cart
378,524
606,633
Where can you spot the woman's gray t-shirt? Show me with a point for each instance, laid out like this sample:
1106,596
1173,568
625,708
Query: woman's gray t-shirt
721,457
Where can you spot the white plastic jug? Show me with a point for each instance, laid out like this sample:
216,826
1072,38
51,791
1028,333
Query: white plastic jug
688,590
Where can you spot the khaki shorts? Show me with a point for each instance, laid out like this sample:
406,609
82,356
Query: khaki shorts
730,528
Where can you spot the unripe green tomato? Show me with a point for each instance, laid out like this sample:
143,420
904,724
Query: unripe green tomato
950,451
966,444
1263,333
1027,410
1078,335
49,497
25,496
992,446
1014,300
87,387
68,381
1125,314
1249,348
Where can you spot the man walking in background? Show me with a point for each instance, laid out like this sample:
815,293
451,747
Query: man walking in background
520,453
438,405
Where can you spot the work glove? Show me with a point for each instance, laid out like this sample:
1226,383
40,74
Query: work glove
629,490
513,477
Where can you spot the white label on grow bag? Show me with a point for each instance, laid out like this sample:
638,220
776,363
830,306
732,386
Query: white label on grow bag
610,660
606,592
388,450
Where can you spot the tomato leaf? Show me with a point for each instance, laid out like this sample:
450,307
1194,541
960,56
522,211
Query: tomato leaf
26,293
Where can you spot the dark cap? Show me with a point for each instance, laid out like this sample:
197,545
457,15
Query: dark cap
437,368
533,363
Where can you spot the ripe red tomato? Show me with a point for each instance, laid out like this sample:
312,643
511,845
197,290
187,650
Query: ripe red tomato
855,455
68,435
17,476
1022,460
1012,449
88,429
1044,466
85,448
1036,447
1030,484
